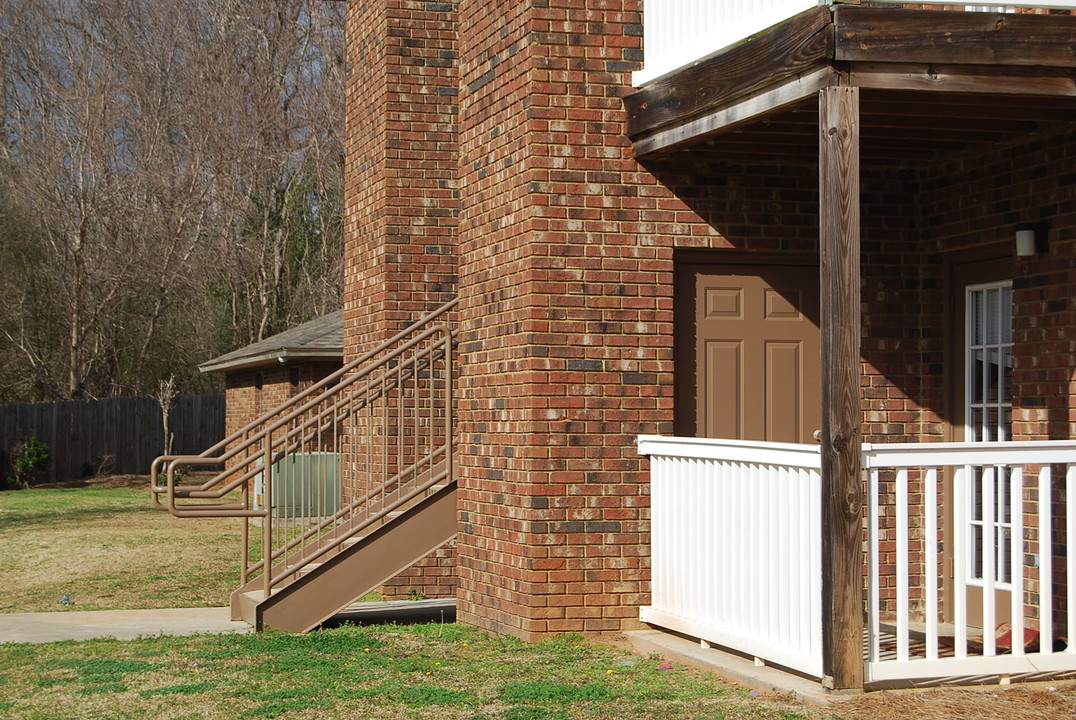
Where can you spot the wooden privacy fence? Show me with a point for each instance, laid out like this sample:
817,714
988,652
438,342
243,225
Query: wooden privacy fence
114,435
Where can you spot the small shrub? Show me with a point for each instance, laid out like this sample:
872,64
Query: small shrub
29,463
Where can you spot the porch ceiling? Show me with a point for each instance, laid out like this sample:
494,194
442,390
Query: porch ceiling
934,84
897,128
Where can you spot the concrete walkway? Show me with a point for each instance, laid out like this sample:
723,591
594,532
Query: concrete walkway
733,668
131,624
119,624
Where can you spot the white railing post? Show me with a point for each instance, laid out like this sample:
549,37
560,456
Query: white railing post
873,563
988,491
930,497
1016,559
1046,561
901,521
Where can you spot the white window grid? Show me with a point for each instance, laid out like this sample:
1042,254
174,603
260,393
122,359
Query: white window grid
988,418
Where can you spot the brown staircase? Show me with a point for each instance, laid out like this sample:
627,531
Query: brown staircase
316,546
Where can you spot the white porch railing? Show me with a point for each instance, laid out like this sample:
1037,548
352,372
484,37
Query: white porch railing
678,33
1011,573
736,546
960,537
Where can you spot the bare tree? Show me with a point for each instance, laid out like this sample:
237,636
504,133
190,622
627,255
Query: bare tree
166,395
165,169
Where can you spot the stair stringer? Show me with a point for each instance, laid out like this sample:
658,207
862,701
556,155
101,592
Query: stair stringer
356,570
299,561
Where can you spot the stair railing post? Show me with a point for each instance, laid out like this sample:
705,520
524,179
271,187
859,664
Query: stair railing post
449,405
267,519
244,562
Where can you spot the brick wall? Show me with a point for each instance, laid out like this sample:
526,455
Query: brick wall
979,200
401,199
566,311
400,188
252,392
432,577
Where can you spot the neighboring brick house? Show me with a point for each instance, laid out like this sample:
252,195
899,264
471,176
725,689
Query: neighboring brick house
267,373
498,153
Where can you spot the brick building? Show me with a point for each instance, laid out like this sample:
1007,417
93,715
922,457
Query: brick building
825,249
499,153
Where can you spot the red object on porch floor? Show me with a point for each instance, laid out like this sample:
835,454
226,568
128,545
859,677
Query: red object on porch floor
1003,638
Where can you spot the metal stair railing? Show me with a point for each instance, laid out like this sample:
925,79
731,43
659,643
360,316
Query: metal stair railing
388,414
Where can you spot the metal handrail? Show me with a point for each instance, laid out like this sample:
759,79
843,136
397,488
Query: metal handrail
397,398
310,392
203,490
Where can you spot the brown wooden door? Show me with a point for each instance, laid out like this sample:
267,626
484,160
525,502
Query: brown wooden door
748,352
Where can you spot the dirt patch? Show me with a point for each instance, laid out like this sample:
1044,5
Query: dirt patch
102,481
1041,701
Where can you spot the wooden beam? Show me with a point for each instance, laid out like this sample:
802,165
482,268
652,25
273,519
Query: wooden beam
915,105
841,326
789,50
965,78
973,38
736,115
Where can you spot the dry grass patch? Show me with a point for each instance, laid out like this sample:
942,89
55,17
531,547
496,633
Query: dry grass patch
101,544
1041,701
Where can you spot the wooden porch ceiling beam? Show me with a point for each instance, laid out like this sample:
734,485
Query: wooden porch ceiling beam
841,323
911,104
790,50
904,52
736,115
880,136
896,120
955,38
1022,118
1055,82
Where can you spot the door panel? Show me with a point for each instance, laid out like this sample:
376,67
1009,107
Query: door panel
724,368
748,352
785,366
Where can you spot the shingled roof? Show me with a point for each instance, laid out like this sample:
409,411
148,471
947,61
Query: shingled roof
319,339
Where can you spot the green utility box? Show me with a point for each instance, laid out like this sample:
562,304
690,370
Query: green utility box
304,485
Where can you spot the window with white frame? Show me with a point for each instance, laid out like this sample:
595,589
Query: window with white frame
988,418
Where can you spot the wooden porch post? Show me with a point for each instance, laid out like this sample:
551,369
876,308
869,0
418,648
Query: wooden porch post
842,506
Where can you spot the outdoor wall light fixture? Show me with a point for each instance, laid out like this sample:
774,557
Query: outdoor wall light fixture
1025,240
1031,238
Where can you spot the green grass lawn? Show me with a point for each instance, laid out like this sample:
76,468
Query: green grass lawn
104,547
421,671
